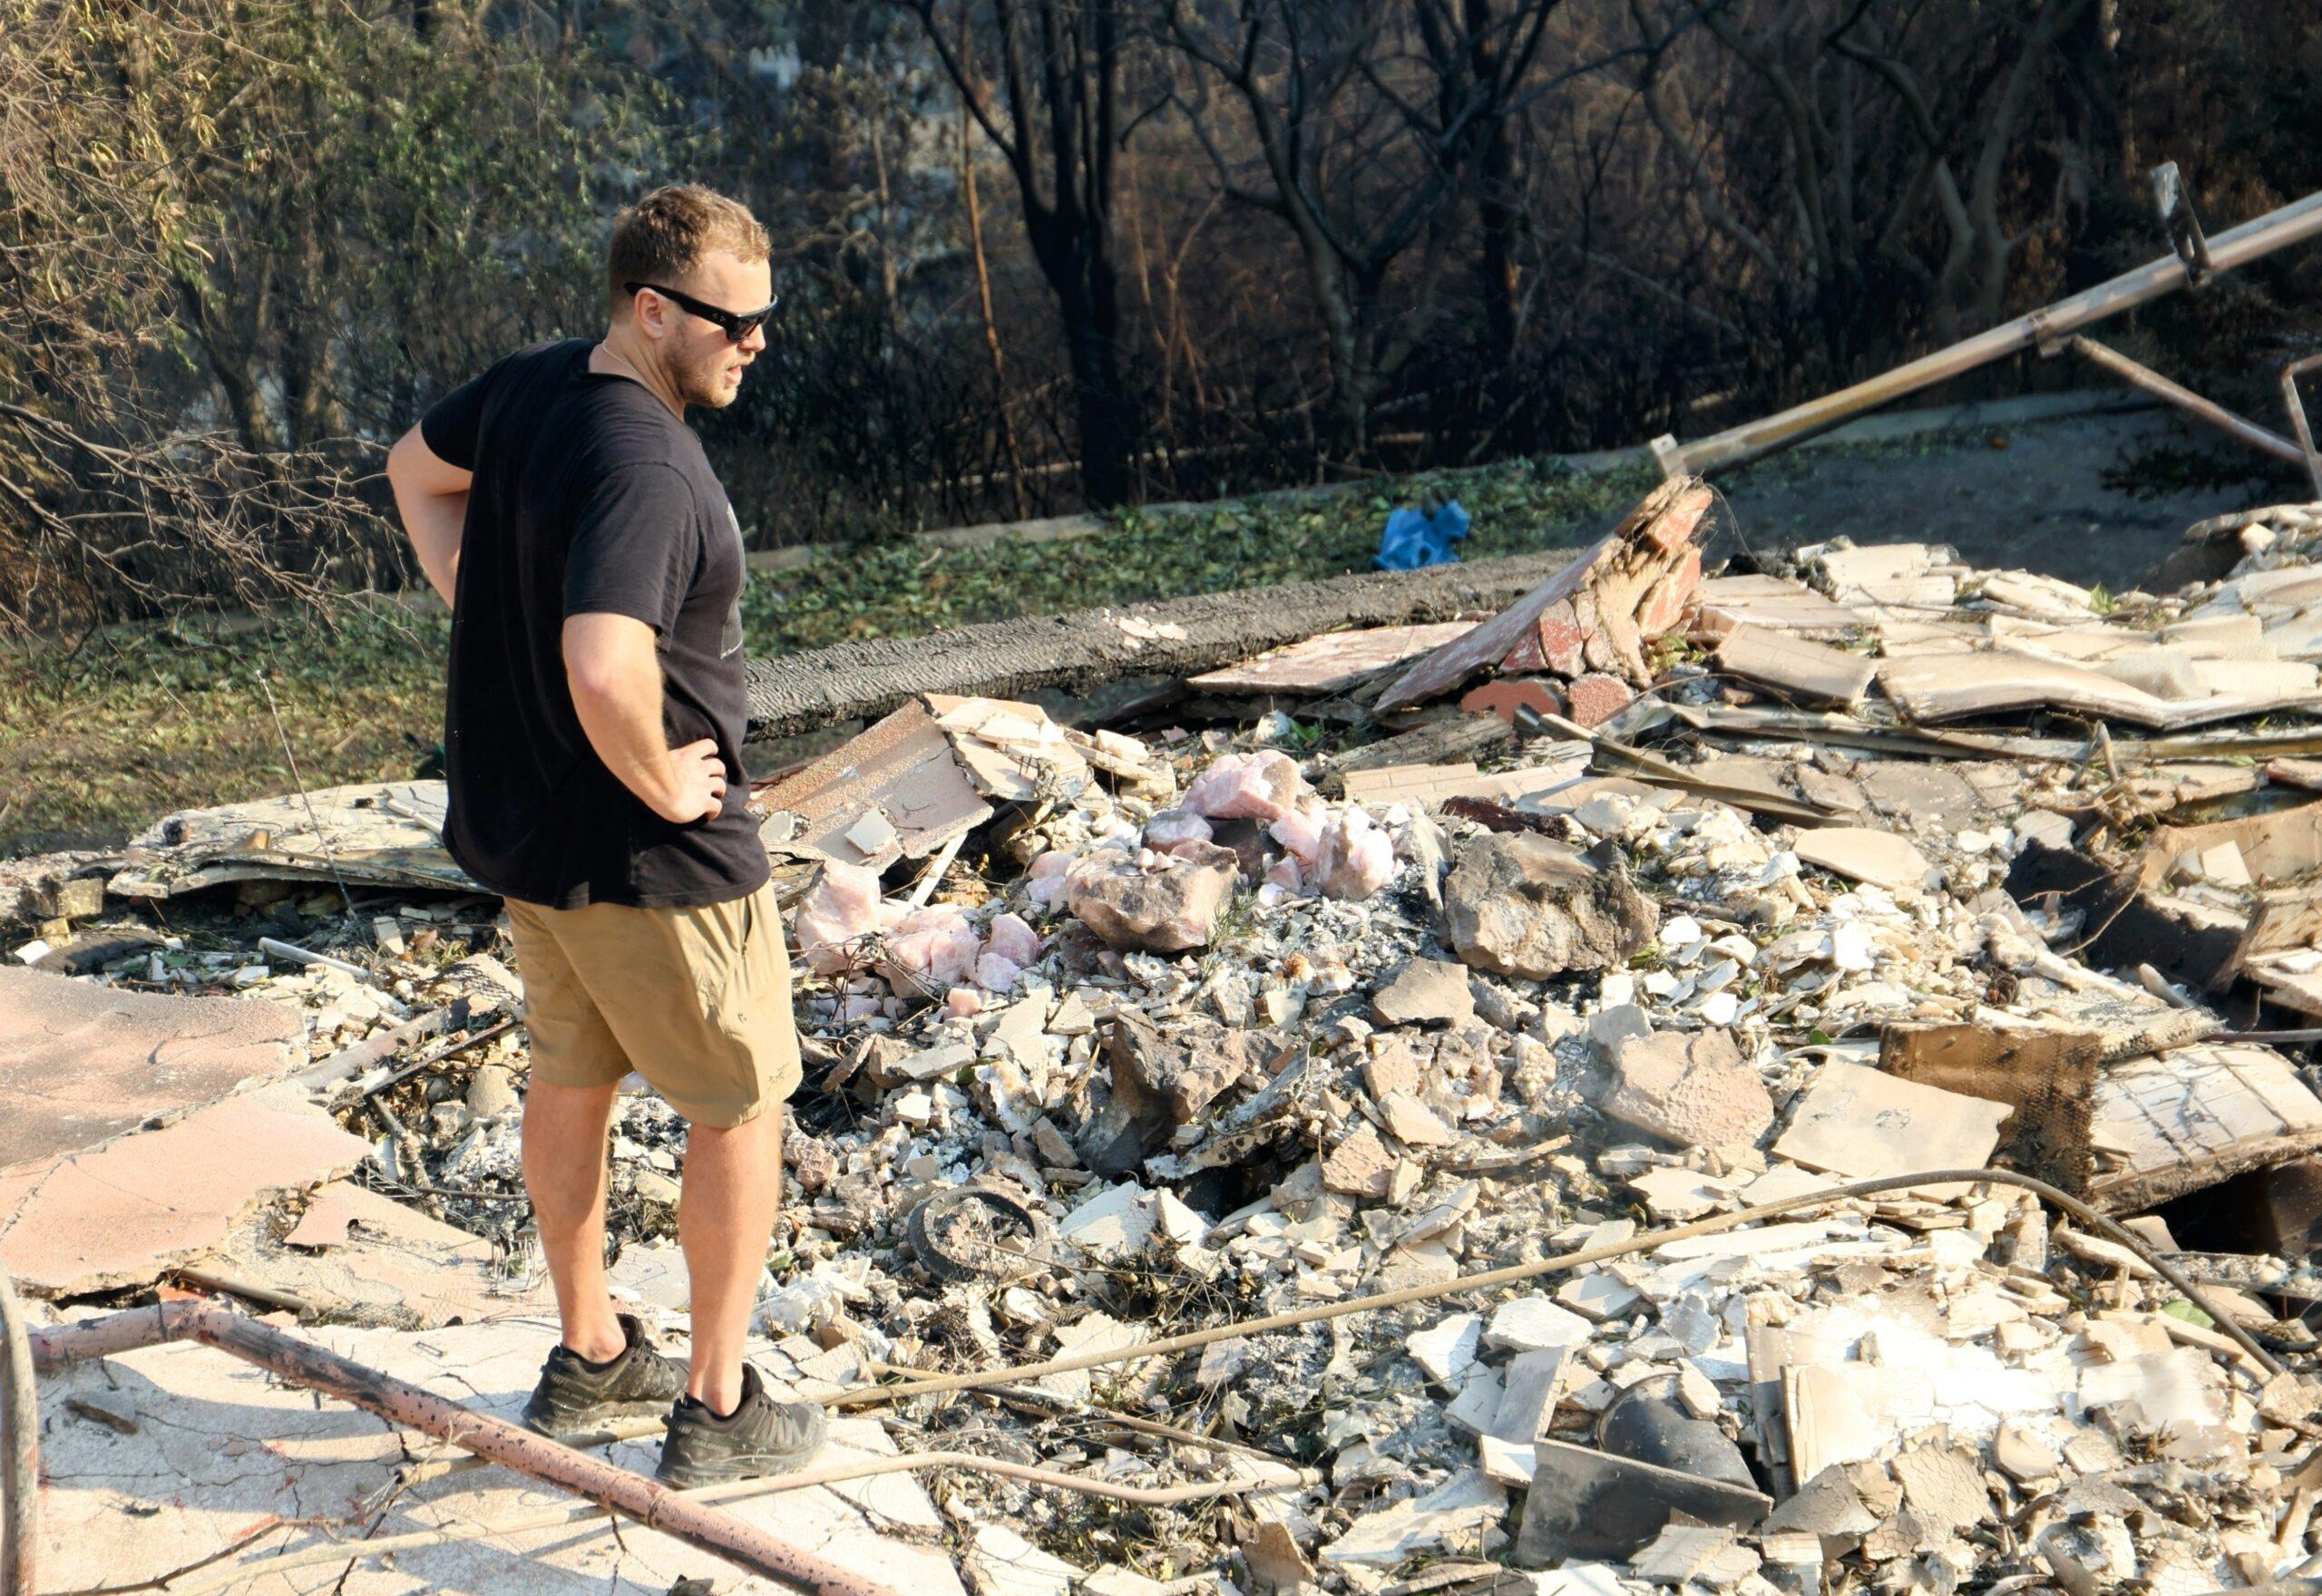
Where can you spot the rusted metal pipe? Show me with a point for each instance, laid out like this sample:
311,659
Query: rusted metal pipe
2291,224
19,1453
2139,375
631,1495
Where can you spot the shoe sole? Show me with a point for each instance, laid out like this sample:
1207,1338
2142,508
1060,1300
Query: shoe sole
748,1465
588,1420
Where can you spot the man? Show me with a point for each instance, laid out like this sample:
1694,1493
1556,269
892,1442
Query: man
593,728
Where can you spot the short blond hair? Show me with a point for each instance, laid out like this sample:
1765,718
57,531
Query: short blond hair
666,235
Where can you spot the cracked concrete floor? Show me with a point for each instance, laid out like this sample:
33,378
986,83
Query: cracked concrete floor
225,1456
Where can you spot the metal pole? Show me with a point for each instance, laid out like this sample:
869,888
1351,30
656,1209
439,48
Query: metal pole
2295,406
2143,376
2292,223
20,1467
657,1507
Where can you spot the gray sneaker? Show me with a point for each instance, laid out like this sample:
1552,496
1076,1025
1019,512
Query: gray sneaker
761,1436
575,1396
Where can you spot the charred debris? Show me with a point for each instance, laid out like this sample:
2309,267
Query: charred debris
1453,1081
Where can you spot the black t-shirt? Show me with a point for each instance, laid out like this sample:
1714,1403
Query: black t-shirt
590,496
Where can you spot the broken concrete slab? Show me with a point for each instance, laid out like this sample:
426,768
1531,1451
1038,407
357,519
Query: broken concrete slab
369,1259
1860,1122
122,1213
1449,1349
234,1446
1425,991
81,1062
1687,1554
1001,1563
1528,1398
1534,1324
1451,1514
1697,1091
1414,1124
1525,905
1361,1165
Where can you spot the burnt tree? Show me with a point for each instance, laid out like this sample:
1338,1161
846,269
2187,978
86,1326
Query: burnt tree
1043,80
1369,127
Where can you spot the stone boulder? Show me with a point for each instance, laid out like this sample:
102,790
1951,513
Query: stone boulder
1166,908
1525,905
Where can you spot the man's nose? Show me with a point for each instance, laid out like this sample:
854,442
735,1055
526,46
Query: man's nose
756,341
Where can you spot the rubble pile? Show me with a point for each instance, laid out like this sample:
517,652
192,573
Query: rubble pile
1875,865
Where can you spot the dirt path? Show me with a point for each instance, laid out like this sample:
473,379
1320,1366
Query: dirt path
2048,496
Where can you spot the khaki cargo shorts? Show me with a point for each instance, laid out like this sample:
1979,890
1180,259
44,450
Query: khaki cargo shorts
696,1000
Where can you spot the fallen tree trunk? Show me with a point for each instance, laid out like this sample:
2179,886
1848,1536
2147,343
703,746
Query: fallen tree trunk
1089,647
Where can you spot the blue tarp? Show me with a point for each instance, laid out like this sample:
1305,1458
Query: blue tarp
1414,538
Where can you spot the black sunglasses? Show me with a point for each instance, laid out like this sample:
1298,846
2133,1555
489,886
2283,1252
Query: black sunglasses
738,326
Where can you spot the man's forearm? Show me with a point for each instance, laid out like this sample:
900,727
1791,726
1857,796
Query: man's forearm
621,712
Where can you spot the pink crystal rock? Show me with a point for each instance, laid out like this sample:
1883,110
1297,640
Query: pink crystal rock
933,946
1044,878
1010,937
1171,827
996,974
1356,859
843,904
1301,830
961,1002
1264,785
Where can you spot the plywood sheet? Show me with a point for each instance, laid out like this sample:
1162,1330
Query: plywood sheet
1334,662
2177,1123
903,769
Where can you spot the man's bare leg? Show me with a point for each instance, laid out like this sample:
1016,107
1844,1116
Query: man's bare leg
733,1184
564,1172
